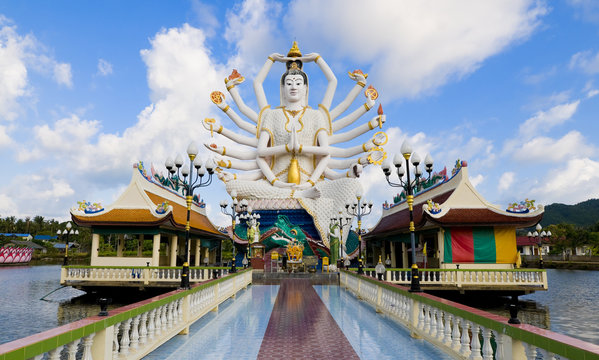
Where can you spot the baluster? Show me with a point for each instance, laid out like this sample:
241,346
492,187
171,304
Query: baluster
135,333
427,319
465,345
163,320
455,334
531,351
88,342
447,332
152,324
421,310
475,343
158,321
487,348
143,330
433,326
499,352
169,315
72,349
440,329
54,354
180,310
125,340
115,341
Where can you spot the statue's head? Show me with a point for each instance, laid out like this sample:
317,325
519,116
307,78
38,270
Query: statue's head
294,85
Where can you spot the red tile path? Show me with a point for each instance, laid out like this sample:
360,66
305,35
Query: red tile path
301,327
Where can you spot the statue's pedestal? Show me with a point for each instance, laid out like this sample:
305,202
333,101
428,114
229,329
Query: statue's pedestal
257,263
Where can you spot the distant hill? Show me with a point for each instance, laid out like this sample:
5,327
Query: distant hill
582,214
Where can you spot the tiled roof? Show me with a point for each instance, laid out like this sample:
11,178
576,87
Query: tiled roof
197,220
125,216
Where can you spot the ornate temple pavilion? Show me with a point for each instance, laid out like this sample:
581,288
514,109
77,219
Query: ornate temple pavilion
455,227
149,211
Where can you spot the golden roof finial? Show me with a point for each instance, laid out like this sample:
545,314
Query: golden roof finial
294,51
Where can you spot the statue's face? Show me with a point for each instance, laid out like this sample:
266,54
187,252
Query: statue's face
294,88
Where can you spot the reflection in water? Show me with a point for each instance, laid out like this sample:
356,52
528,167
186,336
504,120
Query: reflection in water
568,307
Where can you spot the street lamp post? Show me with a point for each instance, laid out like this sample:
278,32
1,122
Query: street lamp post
196,180
65,235
359,208
231,210
539,235
341,222
251,220
409,186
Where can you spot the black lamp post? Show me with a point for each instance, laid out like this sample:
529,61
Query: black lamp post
179,174
539,235
231,210
359,208
341,222
410,187
65,235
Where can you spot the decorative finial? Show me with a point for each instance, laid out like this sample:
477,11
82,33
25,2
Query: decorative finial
294,51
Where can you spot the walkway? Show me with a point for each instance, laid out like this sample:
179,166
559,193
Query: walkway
300,314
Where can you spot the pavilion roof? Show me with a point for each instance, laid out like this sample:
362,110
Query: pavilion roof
146,203
457,204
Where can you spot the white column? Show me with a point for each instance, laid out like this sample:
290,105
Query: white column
95,248
156,250
441,247
393,262
198,252
404,255
173,250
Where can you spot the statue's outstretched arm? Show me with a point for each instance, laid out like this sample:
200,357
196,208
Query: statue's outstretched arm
227,176
233,116
378,139
231,82
378,120
353,172
258,88
235,153
347,163
236,164
215,126
360,79
355,115
328,73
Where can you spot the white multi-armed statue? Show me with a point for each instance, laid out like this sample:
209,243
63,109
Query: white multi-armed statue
289,159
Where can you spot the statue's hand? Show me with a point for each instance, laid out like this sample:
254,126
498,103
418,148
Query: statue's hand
225,176
309,57
213,124
215,147
378,120
358,76
370,102
278,57
355,170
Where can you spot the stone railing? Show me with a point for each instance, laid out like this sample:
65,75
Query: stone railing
462,331
138,274
469,278
132,331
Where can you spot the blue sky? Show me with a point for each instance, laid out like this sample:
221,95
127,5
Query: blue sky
86,88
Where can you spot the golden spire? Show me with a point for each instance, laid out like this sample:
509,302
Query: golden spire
294,51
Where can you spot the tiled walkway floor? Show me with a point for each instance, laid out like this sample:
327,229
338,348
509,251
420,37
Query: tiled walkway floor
301,326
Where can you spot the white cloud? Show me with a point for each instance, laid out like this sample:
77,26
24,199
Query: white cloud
591,93
576,181
477,180
7,205
506,180
104,67
421,45
545,120
18,55
5,139
585,61
545,149
62,74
